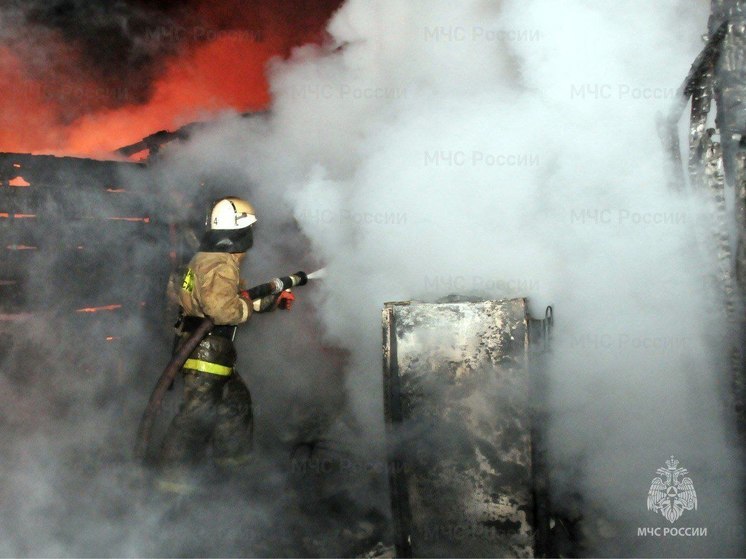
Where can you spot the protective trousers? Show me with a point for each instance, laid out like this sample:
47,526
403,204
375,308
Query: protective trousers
216,410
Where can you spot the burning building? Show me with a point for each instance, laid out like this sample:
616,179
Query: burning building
399,149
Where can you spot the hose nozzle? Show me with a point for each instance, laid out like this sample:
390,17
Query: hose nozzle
278,285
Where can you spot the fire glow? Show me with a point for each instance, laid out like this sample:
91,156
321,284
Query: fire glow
99,309
221,68
19,181
6,215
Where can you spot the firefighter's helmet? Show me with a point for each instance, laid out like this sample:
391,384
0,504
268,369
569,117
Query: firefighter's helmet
229,226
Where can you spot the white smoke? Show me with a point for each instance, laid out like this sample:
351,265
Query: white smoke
509,149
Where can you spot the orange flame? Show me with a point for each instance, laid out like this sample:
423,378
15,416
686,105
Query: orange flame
97,309
220,71
18,181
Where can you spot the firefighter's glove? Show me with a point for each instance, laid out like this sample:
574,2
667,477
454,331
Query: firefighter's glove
244,294
285,300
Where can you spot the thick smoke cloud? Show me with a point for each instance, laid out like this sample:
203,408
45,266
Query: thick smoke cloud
490,149
511,150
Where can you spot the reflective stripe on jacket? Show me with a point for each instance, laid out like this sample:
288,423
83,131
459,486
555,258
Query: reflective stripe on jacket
210,288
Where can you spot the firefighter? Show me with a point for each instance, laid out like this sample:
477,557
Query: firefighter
217,404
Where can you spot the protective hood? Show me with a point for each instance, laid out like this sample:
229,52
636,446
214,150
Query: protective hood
227,240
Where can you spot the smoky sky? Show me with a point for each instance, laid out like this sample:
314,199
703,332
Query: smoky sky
123,46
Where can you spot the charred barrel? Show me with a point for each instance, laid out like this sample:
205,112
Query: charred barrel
278,285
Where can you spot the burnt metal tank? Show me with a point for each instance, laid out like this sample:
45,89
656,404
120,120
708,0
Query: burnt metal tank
459,395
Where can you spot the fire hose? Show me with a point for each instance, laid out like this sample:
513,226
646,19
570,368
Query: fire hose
144,430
